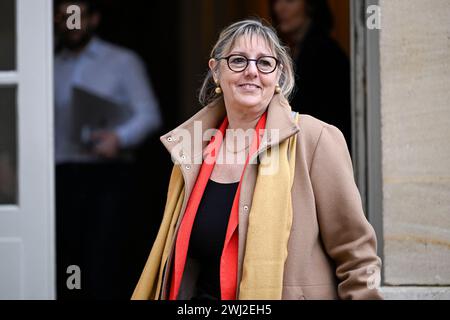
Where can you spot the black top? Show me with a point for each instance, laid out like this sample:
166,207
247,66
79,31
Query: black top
208,236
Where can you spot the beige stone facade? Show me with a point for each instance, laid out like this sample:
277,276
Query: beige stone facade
415,118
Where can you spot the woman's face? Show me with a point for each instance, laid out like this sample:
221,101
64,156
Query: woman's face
291,15
249,88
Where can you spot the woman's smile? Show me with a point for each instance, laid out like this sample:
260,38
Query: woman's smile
249,87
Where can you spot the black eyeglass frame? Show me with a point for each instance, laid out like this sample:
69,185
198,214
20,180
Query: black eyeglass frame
277,62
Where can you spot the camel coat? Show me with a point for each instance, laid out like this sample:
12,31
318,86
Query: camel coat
332,246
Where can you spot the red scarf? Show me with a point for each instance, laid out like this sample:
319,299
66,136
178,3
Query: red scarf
229,258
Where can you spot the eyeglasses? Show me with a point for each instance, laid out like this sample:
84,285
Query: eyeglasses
238,63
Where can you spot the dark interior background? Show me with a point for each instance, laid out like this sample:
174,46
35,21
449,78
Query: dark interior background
150,28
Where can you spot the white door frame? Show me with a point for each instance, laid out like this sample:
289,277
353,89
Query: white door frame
27,230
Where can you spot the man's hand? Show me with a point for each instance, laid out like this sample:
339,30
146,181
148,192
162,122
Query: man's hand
106,144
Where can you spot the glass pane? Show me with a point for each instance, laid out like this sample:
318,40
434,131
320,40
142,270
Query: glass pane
7,35
8,145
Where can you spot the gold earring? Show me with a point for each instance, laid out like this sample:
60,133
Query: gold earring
218,88
277,89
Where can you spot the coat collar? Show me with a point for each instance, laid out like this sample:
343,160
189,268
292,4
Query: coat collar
186,142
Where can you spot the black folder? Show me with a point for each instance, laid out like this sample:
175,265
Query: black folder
91,112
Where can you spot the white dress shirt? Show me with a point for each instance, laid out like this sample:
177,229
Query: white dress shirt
114,73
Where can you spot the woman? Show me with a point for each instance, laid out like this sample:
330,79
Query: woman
280,217
320,63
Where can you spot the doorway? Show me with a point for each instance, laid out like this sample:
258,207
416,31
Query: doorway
174,39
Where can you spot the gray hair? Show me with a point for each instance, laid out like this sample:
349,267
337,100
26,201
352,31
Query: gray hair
225,43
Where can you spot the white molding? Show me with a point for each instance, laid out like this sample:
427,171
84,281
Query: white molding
49,115
34,219
8,208
8,78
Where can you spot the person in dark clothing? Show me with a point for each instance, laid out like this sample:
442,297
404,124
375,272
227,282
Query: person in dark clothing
322,68
95,181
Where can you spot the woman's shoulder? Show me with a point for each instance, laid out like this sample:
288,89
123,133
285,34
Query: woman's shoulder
310,123
311,127
313,130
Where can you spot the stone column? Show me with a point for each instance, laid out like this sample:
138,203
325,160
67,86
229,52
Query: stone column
415,116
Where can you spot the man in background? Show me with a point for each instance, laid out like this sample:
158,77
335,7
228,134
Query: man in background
94,189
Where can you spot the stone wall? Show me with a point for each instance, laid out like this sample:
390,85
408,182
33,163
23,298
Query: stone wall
415,109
